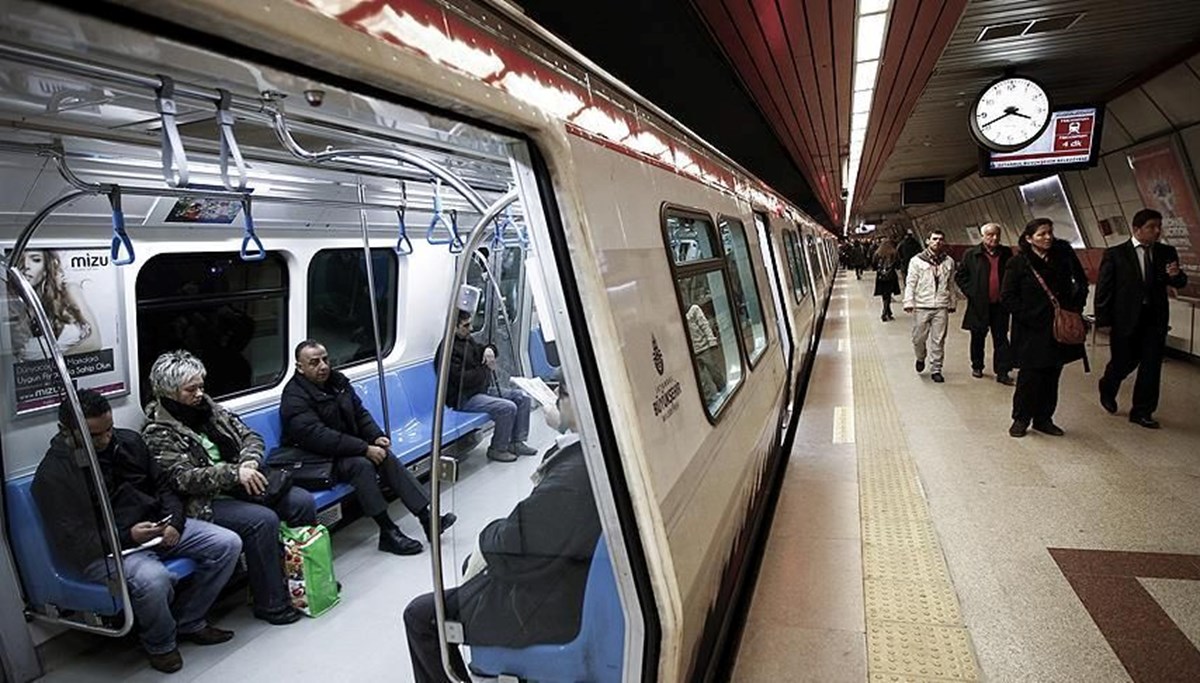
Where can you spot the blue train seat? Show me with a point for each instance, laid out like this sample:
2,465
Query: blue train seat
268,425
595,655
542,367
46,582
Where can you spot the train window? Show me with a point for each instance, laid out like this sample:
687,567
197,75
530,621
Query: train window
705,303
339,306
230,313
795,265
744,287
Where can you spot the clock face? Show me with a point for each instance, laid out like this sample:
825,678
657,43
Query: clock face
1010,113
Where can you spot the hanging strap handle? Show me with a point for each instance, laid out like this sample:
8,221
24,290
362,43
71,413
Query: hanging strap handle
229,144
456,243
174,158
404,246
248,236
120,237
438,217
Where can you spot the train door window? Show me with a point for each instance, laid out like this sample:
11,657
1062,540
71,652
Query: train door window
339,306
795,266
704,302
230,313
744,287
813,258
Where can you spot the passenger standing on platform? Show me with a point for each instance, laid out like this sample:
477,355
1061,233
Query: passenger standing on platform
472,372
1131,298
979,276
929,292
526,579
208,452
322,415
908,248
145,508
887,277
1038,355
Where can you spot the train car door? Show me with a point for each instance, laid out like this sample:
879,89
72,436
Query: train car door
787,343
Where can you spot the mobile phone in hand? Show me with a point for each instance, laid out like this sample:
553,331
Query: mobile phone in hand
164,521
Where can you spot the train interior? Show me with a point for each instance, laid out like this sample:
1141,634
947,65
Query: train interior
242,229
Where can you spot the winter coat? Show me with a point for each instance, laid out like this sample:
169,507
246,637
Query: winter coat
972,278
138,491
930,282
887,277
907,250
538,559
1033,342
468,374
330,421
1120,289
181,454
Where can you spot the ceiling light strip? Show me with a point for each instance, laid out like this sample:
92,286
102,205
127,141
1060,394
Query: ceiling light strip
869,36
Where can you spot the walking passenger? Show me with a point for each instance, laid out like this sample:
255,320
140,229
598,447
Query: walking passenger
323,416
887,277
208,453
1131,298
472,373
979,277
145,508
930,294
1043,263
906,250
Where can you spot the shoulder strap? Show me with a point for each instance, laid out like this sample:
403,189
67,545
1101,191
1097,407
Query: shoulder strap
1042,282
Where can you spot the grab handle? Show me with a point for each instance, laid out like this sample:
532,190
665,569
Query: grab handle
249,237
120,237
174,158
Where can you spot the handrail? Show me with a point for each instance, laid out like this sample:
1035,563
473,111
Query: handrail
34,302
369,264
439,408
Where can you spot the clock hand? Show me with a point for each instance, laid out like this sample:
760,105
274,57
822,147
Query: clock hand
1017,113
1006,113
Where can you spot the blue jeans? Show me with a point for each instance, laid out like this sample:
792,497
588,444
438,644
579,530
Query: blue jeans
159,612
258,525
510,412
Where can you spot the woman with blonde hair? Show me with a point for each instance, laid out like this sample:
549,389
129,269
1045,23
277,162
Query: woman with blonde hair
73,325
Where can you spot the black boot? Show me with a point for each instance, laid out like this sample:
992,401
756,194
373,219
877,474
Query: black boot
447,521
395,542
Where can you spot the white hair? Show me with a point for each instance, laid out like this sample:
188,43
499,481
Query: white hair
990,226
172,370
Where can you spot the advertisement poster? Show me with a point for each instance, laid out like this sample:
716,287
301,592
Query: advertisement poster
81,294
1046,198
1165,186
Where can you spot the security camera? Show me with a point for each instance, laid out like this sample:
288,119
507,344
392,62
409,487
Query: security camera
314,96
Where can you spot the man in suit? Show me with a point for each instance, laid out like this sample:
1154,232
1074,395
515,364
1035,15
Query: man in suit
1131,298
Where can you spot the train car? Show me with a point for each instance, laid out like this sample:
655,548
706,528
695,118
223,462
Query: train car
233,178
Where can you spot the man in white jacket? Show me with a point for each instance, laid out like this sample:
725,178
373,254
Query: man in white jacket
929,291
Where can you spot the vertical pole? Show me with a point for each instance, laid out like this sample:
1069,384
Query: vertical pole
366,241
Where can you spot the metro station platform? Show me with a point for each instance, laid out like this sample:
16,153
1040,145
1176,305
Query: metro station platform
915,540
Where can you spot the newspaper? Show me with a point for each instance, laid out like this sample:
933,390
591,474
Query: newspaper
537,390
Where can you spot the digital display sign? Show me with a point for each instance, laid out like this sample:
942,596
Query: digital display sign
1071,141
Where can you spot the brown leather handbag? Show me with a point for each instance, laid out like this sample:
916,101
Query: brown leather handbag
1069,327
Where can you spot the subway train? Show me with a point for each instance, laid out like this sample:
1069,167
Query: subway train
232,178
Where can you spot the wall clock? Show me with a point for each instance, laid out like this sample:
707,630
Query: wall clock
1010,113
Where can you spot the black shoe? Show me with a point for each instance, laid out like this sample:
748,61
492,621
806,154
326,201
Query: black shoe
289,616
395,542
1018,428
920,365
976,373
1048,428
1144,421
448,521
168,662
937,377
1004,379
500,455
1109,403
519,448
209,635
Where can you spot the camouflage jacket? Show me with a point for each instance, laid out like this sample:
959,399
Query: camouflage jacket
181,454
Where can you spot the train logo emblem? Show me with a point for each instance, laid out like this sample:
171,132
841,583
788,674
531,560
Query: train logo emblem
656,355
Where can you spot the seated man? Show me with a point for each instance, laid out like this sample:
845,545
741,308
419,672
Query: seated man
145,507
472,370
532,566
323,415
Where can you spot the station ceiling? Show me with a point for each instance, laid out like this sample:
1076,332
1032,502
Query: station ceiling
768,81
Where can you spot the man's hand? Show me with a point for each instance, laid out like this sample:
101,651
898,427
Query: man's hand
383,442
144,531
376,454
251,479
489,358
1173,268
170,536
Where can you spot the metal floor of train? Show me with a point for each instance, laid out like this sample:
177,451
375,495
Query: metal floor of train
915,540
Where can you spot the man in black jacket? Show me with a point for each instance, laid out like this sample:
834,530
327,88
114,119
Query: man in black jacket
322,415
1131,298
979,277
147,512
535,564
472,371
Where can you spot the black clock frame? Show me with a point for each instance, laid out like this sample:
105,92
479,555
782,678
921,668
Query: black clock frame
977,132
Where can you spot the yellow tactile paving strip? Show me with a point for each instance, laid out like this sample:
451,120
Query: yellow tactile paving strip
915,631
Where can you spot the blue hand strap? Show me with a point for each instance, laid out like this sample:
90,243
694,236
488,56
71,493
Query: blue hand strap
120,237
248,236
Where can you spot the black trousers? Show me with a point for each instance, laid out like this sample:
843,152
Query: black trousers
1036,397
1141,351
998,317
361,473
887,305
420,626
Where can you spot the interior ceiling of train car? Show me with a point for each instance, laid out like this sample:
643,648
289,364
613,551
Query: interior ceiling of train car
798,64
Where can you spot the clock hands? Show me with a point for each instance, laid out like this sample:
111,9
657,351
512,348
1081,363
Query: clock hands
1008,111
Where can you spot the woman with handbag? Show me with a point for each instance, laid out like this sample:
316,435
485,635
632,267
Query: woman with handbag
887,277
1043,278
214,461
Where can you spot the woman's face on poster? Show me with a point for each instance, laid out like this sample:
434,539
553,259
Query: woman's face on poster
34,267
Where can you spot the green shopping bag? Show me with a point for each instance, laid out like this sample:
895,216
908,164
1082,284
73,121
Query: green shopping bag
308,564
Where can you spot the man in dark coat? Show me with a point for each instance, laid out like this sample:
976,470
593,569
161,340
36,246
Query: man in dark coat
323,416
147,511
1131,298
535,564
909,247
979,277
